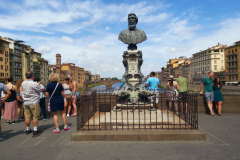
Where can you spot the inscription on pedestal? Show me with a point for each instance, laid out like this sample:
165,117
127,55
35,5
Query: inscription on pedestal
133,64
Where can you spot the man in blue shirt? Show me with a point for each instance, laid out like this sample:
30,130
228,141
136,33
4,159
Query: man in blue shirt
152,84
120,86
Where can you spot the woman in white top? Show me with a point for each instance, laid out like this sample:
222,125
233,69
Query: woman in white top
172,87
67,98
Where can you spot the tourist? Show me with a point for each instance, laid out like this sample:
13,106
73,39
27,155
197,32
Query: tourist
11,103
19,99
172,93
73,85
8,93
208,91
183,91
42,102
152,84
56,93
218,96
2,105
68,97
120,86
31,95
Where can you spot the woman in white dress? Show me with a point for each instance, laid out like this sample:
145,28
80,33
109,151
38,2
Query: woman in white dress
172,93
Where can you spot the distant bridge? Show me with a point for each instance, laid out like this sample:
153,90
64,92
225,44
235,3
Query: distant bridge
108,83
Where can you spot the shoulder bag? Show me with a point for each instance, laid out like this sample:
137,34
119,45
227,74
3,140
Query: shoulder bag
49,109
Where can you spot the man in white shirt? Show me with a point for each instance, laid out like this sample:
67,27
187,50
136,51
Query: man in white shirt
31,98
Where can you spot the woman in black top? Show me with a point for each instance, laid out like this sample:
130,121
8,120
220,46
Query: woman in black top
11,103
56,101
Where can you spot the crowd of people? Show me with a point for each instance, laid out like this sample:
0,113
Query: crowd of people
29,95
178,89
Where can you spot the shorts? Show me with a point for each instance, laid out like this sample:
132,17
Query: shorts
183,96
209,96
76,94
152,98
32,111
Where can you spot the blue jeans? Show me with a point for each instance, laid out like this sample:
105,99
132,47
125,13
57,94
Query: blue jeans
43,107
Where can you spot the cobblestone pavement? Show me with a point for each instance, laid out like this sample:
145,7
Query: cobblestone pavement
223,142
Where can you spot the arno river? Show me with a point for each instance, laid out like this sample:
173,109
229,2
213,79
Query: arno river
115,85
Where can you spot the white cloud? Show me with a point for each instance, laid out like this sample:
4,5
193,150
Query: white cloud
71,16
107,28
82,53
178,49
67,39
52,62
97,46
44,49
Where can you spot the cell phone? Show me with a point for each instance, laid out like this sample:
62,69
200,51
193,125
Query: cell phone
37,80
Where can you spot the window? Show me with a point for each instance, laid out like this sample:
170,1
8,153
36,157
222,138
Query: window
1,66
215,67
221,55
215,61
2,74
208,68
222,61
215,56
222,68
1,59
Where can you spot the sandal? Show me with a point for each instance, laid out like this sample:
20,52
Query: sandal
211,113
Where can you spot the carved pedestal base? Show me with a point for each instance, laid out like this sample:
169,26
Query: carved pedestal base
133,79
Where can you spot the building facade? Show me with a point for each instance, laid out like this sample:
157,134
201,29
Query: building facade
208,60
232,73
4,60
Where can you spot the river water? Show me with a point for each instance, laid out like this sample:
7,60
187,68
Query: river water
115,85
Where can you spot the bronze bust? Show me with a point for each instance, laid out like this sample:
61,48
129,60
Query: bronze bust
132,35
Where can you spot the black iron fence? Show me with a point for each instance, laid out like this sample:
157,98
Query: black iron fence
100,110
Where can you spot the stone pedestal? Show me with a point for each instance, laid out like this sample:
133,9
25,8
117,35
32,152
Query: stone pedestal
133,79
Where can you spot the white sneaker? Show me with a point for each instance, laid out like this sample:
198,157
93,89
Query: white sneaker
2,117
67,115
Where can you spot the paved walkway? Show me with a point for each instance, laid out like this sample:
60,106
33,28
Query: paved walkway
223,142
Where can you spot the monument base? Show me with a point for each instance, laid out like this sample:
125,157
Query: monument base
136,135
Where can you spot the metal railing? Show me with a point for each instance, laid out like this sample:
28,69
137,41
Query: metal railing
100,110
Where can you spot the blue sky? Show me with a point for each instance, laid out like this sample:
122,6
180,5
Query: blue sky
86,32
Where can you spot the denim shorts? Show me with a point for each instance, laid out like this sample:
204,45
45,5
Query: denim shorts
76,94
209,96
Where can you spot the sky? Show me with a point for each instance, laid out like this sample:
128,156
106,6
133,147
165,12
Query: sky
86,32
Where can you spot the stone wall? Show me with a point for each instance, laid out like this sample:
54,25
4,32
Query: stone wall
231,104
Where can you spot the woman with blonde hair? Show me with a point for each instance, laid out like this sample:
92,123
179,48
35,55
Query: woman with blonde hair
74,94
68,97
19,99
56,93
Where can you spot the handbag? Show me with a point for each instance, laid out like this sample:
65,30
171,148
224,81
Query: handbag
68,96
49,109
19,98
